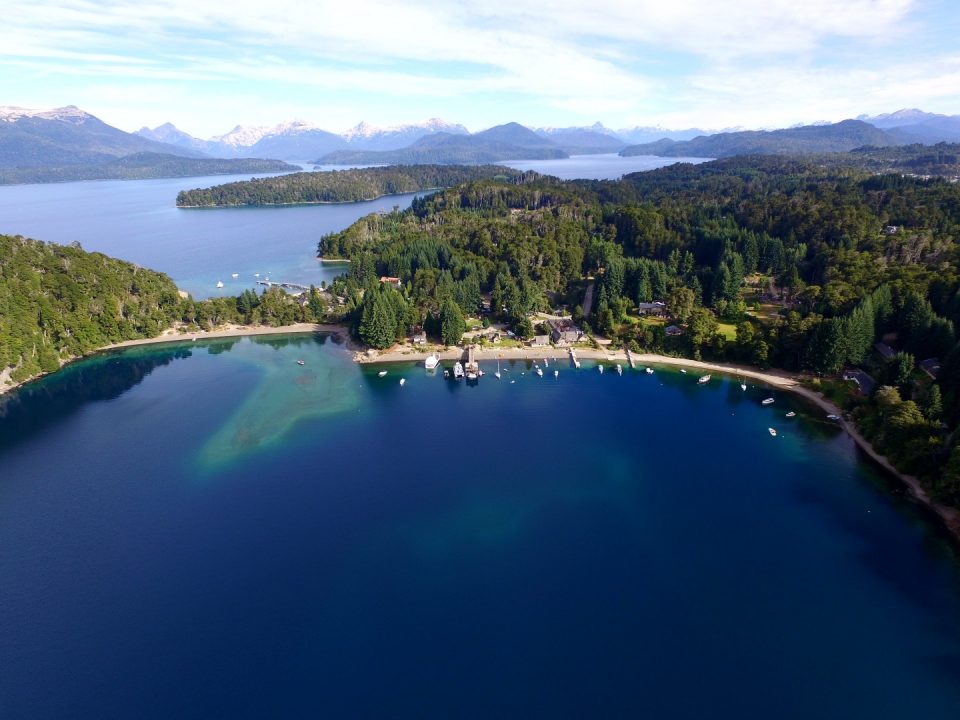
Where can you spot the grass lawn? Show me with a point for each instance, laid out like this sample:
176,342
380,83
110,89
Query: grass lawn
728,331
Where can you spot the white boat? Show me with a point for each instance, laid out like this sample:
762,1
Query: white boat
538,371
772,431
556,373
791,414
768,401
649,371
833,417
402,381
619,369
497,373
256,274
300,362
546,363
600,368
683,371
743,386
704,379
219,283
457,371
431,361
382,373
235,275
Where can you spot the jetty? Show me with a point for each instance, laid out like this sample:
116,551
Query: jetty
285,285
471,365
573,358
633,363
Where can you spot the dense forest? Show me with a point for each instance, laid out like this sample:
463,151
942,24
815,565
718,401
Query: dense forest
339,185
765,260
58,302
140,166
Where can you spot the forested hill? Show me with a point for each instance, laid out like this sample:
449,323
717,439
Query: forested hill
805,266
59,301
809,139
141,166
340,185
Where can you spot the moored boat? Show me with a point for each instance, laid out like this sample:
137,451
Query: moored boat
704,379
431,361
772,431
458,371
649,371
300,362
382,373
402,381
219,283
791,414
767,401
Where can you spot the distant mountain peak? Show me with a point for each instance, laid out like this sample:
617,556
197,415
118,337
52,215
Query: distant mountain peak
68,113
365,130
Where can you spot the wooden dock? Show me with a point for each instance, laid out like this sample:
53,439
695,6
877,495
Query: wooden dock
633,364
285,285
573,358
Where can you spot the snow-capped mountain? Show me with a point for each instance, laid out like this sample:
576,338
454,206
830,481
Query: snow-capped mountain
366,136
69,114
911,125
301,140
68,136
652,133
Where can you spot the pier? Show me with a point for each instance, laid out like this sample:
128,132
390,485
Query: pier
573,358
285,285
633,364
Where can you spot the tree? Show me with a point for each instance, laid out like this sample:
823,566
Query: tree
376,324
680,303
452,324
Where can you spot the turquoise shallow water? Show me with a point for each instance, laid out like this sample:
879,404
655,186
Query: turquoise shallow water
212,530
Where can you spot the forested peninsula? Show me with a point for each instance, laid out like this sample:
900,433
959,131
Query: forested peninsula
340,185
59,302
141,166
766,260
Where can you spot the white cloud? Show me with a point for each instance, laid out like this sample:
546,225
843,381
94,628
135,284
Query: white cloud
702,60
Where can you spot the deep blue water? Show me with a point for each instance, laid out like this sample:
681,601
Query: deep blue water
211,530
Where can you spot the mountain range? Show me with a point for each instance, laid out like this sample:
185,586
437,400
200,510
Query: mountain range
69,143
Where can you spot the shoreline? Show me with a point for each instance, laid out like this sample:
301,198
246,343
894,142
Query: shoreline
780,379
308,202
172,336
949,517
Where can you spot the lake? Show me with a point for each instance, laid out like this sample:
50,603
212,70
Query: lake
212,530
137,220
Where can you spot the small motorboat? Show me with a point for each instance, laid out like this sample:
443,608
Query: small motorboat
458,371
772,431
235,276
431,361
791,414
300,362
767,401
600,368
704,379
556,373
382,373
402,381
546,363
743,386
649,371
219,283
833,417
683,371
619,369
538,371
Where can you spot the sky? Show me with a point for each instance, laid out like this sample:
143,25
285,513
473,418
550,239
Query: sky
208,65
